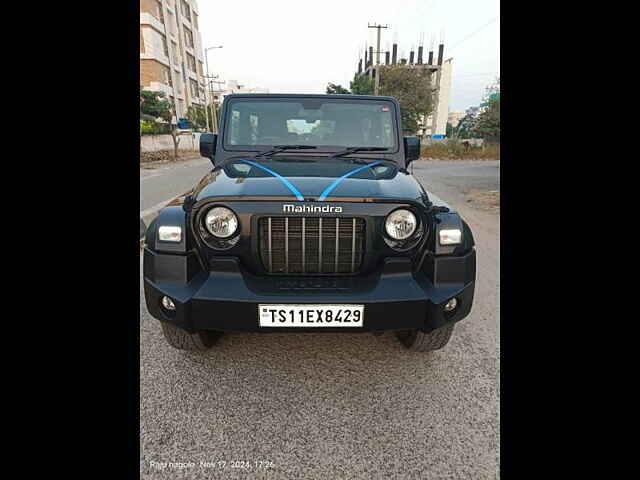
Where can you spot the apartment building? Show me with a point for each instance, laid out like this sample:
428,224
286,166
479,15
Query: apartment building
171,53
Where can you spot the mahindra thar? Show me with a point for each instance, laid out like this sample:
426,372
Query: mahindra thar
309,221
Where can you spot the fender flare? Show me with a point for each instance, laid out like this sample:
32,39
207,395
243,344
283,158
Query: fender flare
173,216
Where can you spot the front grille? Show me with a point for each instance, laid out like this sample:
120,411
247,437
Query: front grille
316,245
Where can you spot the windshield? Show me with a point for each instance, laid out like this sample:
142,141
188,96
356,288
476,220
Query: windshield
329,124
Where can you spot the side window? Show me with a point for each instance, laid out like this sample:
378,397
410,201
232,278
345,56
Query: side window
387,131
253,124
234,136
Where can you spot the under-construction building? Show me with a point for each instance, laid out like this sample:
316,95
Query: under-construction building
435,125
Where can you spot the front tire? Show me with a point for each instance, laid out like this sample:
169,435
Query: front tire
419,341
200,341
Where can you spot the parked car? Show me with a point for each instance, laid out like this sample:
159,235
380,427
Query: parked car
309,221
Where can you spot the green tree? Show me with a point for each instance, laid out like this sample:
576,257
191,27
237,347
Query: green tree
466,127
361,85
196,115
412,88
488,122
333,88
153,104
156,105
450,130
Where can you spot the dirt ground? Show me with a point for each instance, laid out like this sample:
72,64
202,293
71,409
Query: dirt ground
484,200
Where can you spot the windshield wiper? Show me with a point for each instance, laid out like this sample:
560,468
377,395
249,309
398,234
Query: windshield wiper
347,151
280,148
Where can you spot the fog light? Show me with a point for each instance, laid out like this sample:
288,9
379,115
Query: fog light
450,306
168,304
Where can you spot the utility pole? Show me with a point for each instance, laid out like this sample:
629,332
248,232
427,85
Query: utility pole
206,59
214,106
206,103
208,89
377,81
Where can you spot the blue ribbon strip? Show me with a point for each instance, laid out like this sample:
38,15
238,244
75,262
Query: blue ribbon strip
330,188
287,183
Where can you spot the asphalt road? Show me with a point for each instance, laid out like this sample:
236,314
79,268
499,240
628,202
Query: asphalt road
163,182
335,405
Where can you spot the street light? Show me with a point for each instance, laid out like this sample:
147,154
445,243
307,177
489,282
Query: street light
206,111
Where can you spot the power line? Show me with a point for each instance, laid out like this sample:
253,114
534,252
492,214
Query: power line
472,34
474,74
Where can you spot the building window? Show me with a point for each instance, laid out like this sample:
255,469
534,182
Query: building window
194,88
172,24
165,47
188,37
176,57
195,21
200,70
160,12
191,61
167,77
186,11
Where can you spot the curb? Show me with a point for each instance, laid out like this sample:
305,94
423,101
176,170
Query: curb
168,162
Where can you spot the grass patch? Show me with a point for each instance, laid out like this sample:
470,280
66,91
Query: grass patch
456,150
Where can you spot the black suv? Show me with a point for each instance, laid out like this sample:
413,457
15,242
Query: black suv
309,221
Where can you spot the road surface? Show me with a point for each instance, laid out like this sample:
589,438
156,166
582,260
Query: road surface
165,181
334,405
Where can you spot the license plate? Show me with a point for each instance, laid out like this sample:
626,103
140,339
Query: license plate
310,315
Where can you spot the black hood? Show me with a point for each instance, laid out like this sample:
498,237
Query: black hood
288,178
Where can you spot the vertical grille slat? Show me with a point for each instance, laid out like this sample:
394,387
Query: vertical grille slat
270,254
311,245
353,247
304,252
337,245
320,245
286,244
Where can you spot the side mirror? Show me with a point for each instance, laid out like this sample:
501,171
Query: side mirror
411,149
208,145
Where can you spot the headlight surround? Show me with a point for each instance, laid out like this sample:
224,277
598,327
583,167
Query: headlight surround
401,224
221,222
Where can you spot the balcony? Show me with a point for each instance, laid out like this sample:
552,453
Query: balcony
161,87
148,19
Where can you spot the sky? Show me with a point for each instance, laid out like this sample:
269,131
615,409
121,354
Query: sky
289,46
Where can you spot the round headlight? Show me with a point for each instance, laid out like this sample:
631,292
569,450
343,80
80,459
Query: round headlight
221,222
401,224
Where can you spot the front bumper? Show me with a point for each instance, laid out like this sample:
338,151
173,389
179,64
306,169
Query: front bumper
227,297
